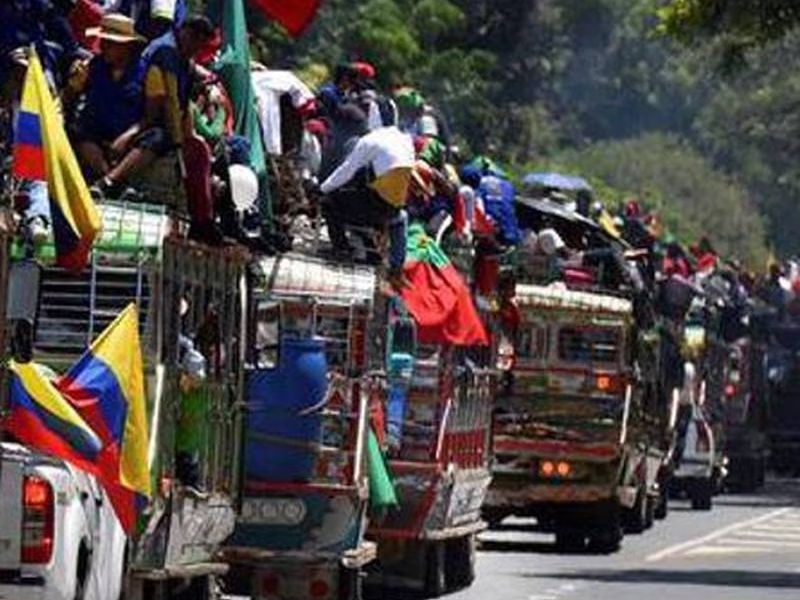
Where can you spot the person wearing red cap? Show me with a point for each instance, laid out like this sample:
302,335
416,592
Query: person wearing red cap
365,70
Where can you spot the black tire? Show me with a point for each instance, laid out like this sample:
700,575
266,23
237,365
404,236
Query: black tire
607,538
238,581
761,474
650,512
351,584
435,570
661,509
606,541
701,495
570,542
635,520
460,562
493,517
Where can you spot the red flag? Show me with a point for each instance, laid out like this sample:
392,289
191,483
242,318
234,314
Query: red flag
437,297
294,15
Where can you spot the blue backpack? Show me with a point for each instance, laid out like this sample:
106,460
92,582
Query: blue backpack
498,196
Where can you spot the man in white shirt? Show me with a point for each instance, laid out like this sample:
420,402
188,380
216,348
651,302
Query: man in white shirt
380,168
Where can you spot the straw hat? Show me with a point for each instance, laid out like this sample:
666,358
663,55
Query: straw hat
115,28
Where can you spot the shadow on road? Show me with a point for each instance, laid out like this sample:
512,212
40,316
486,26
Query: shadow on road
520,547
534,547
724,578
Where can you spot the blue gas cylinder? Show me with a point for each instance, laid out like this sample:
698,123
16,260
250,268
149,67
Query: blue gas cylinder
280,438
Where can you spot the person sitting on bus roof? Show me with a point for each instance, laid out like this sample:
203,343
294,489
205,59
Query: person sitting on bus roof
109,135
167,66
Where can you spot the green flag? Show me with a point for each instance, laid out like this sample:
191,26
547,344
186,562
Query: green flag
382,495
233,66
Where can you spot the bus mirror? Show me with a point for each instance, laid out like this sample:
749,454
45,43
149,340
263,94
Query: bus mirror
267,335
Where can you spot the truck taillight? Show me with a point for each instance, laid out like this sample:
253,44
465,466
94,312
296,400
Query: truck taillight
37,520
609,383
703,443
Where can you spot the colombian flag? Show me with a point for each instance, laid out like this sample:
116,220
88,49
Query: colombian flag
106,387
40,417
42,151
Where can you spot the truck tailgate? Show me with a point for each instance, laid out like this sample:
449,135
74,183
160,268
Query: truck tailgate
11,473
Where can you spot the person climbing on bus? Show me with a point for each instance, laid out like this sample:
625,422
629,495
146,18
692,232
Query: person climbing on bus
380,165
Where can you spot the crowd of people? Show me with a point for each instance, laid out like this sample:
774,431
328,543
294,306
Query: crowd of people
136,85
138,81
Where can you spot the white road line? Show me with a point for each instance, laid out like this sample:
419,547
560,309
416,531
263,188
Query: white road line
715,535
773,527
737,541
727,550
769,535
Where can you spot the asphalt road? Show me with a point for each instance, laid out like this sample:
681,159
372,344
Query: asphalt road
747,547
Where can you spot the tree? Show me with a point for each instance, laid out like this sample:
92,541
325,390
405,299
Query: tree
693,199
739,25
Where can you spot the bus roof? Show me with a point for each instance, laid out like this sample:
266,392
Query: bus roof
302,276
557,298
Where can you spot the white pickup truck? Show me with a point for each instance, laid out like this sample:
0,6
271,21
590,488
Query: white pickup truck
59,537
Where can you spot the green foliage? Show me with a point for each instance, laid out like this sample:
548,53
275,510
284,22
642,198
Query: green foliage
737,25
693,199
584,84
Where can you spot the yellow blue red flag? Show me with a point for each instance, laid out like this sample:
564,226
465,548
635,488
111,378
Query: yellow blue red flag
40,417
42,151
106,387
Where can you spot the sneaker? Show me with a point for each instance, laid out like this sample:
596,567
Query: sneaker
105,188
206,233
39,230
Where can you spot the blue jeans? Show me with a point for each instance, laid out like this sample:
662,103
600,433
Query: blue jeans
398,231
39,200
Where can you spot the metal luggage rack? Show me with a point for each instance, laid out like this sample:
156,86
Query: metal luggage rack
132,228
75,308
301,277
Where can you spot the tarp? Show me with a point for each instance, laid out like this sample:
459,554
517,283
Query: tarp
570,183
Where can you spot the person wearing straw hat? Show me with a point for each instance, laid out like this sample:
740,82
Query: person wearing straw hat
112,136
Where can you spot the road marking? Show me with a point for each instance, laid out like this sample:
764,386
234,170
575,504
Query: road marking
726,550
771,543
774,527
714,535
557,593
770,535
